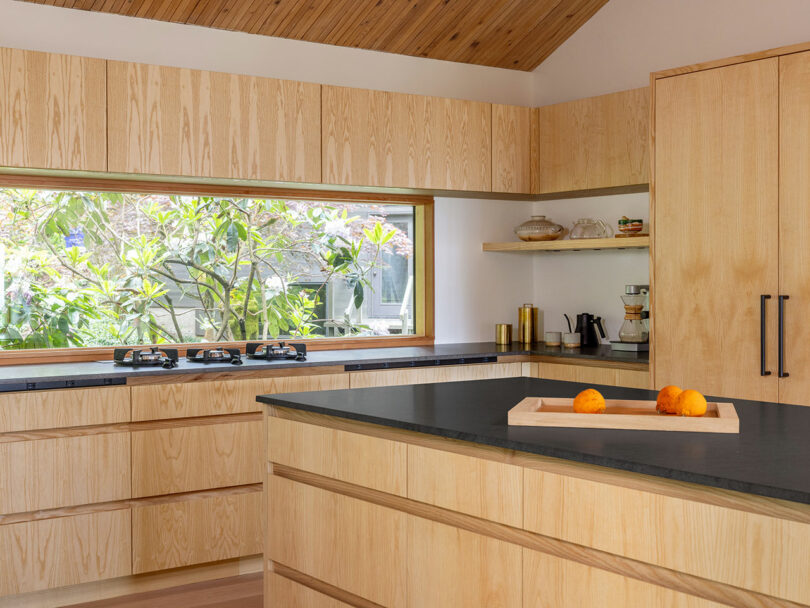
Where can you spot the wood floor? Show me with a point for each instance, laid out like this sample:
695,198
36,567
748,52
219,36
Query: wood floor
235,592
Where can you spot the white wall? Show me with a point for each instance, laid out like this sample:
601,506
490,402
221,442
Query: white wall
473,291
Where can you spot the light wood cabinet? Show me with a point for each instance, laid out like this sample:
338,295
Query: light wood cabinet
593,143
195,531
452,567
339,540
175,121
64,551
794,223
376,138
352,457
219,397
52,111
199,457
672,532
63,472
552,582
31,410
588,374
280,592
511,149
429,375
716,229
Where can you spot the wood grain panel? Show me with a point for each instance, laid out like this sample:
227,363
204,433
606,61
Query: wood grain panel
484,488
64,551
452,567
348,543
794,222
30,410
593,143
280,592
593,375
358,137
512,34
425,375
185,400
53,473
716,156
191,458
359,459
173,121
700,539
52,111
551,582
511,149
177,534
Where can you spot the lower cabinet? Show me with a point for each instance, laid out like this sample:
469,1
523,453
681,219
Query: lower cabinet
196,531
428,375
593,375
551,582
283,593
64,551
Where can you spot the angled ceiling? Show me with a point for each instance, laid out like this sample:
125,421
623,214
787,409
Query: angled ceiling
513,34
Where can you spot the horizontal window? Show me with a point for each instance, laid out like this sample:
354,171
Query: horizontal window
90,269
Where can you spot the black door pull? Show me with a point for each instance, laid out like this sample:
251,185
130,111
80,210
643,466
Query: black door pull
782,372
762,366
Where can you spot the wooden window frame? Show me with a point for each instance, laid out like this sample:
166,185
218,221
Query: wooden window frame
423,256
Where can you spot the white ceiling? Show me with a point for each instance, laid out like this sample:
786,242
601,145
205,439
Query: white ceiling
627,39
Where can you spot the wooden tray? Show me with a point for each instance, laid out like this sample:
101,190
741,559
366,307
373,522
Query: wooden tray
633,415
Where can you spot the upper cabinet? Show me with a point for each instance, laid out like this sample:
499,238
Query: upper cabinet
173,121
511,145
594,143
52,111
374,138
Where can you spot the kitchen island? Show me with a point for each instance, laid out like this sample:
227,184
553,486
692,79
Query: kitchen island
423,496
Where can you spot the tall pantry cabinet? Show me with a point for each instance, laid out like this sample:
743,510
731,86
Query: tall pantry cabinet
731,189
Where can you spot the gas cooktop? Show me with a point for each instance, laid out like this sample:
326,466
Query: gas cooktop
146,357
280,351
214,355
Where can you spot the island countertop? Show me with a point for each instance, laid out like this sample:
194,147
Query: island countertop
769,457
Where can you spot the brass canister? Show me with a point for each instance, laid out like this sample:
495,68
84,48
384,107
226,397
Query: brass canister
527,324
503,333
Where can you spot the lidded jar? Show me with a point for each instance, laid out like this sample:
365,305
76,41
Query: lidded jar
539,229
587,228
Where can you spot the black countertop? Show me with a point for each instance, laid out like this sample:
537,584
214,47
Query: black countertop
94,373
770,456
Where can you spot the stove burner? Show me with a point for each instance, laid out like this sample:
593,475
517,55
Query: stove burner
153,357
263,350
214,355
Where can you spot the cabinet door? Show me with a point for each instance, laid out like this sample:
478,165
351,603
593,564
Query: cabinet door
173,121
52,111
794,222
716,228
511,149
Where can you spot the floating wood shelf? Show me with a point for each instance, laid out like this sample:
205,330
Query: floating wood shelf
640,242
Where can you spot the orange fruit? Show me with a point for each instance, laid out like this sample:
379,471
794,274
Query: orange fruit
589,401
690,403
665,403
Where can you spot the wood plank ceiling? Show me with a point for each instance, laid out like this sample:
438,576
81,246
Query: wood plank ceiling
513,34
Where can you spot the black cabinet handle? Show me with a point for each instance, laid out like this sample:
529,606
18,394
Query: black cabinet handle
762,329
782,372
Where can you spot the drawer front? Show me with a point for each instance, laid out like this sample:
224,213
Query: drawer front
452,567
64,551
551,582
594,375
196,531
280,592
696,538
428,375
185,459
32,410
184,400
487,489
367,461
63,472
340,540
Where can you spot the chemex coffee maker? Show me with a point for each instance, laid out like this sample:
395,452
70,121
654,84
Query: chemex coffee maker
634,334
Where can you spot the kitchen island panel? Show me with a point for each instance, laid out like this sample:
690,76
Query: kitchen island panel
280,592
689,536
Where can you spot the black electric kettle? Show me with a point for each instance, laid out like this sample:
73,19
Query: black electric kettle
587,324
